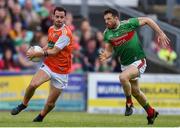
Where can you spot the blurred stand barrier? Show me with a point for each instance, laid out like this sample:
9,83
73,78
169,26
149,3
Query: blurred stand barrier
131,3
105,93
13,85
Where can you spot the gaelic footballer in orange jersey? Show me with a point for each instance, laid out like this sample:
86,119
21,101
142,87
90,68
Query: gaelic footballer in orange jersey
56,66
62,38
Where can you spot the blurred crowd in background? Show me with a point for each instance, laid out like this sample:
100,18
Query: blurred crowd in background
24,23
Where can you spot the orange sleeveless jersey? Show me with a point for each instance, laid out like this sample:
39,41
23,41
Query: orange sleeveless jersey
61,62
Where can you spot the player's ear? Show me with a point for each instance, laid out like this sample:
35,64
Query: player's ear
117,18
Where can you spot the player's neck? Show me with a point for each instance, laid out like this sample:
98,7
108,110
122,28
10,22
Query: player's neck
58,27
117,25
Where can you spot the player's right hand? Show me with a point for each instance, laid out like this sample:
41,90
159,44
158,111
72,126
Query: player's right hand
163,40
30,53
103,57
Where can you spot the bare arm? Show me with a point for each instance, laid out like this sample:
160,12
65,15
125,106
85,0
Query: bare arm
107,53
162,38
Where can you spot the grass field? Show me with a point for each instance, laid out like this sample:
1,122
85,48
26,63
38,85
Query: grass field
82,119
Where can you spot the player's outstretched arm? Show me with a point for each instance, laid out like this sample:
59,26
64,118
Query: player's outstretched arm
106,53
162,38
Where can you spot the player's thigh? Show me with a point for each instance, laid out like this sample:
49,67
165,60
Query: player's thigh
130,72
39,78
53,94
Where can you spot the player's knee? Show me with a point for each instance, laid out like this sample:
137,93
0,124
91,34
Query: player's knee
123,78
33,85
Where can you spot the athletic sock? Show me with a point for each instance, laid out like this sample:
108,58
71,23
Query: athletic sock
129,100
149,110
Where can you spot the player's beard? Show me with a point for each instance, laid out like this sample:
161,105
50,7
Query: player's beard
111,26
58,25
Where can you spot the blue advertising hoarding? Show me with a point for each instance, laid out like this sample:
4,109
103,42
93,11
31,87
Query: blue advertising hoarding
109,89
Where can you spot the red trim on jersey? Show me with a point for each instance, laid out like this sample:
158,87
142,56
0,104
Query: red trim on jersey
141,64
122,39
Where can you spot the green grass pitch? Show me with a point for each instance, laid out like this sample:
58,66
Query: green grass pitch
83,119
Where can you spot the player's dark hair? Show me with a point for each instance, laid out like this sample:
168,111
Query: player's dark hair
61,9
114,12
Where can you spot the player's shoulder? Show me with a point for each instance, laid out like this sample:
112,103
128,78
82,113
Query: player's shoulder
51,28
124,22
66,30
105,31
130,20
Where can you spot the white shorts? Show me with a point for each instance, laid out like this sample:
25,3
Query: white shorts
139,64
59,81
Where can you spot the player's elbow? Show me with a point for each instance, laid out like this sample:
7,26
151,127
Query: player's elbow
145,20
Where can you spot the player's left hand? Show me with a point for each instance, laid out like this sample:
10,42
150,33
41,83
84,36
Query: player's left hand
163,40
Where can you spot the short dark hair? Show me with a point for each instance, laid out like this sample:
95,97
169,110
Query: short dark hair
114,12
59,9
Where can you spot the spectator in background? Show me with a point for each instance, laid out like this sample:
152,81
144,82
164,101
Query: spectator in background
99,40
4,16
48,4
166,54
5,40
29,14
2,3
10,4
86,32
46,22
16,15
16,34
45,12
8,62
22,60
35,3
77,56
37,36
90,55
69,21
20,35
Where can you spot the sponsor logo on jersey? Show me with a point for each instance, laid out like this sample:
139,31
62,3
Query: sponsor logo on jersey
118,41
51,44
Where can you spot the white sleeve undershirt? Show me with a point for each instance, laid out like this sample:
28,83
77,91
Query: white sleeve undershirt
62,41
